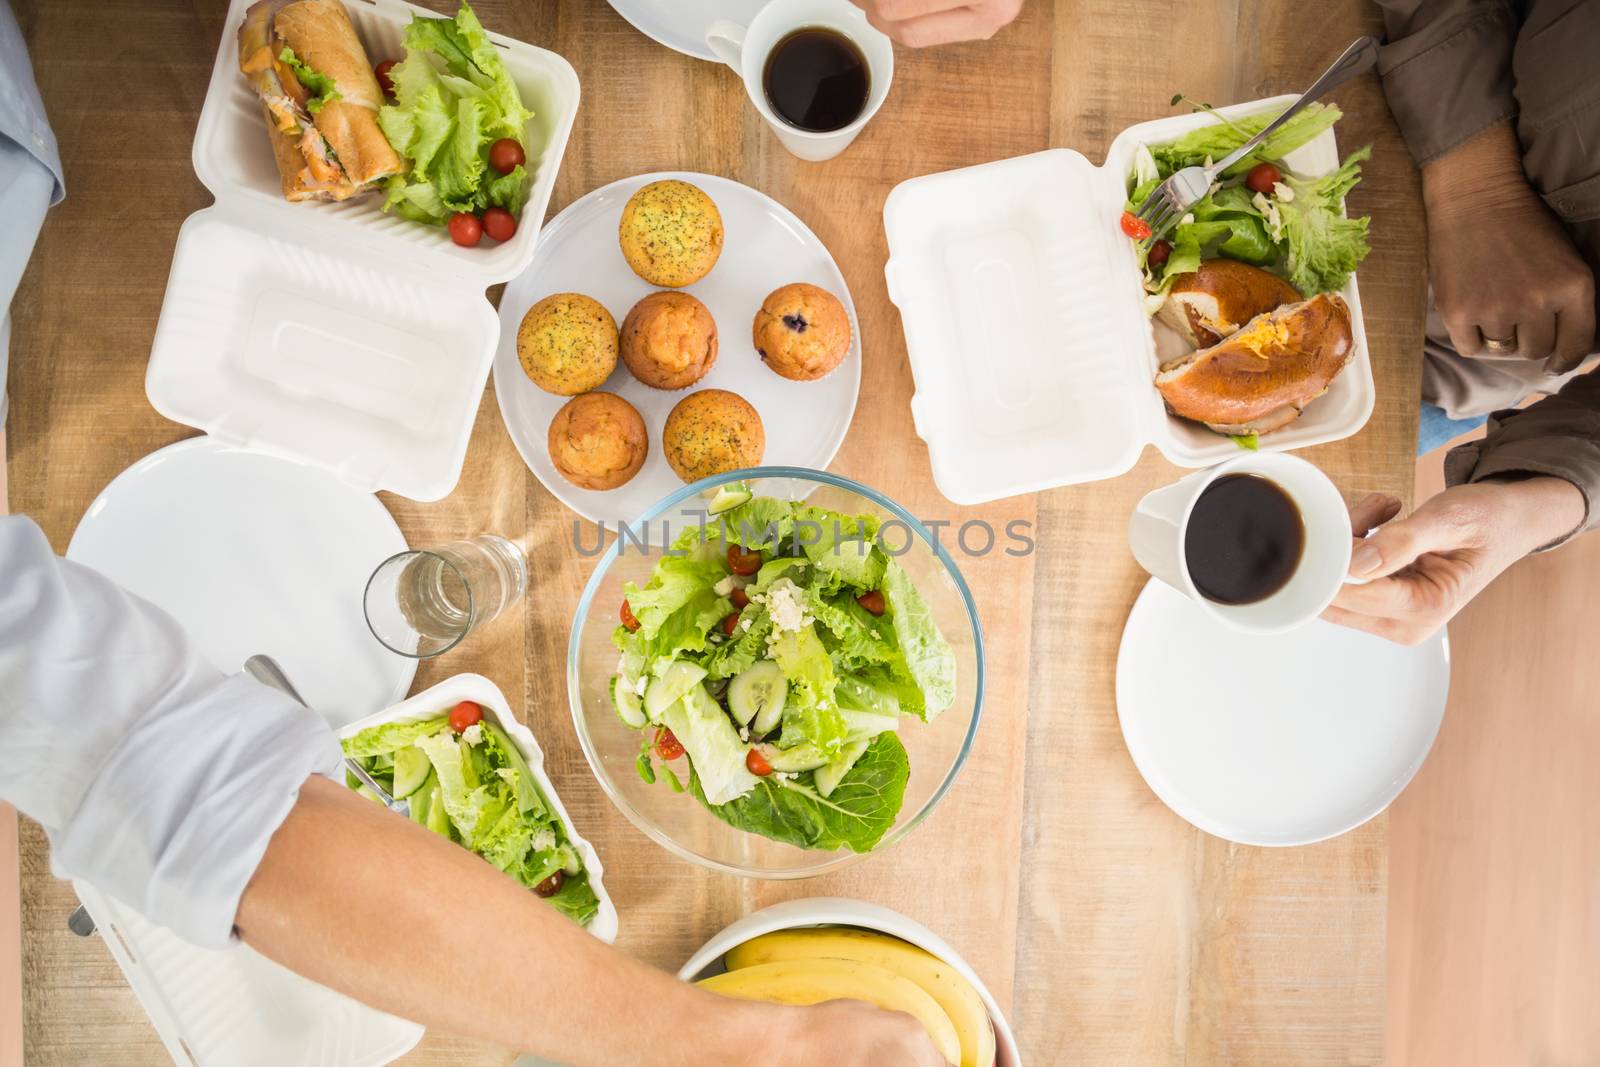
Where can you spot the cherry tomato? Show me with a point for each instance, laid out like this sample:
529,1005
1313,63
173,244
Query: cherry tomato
756,763
730,623
1262,177
1134,226
506,155
465,229
668,747
465,714
1158,254
740,598
551,885
381,71
872,601
741,562
629,623
499,224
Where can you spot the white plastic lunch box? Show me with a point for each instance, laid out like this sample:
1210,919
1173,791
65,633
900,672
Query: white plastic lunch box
236,1008
331,333
1023,314
838,911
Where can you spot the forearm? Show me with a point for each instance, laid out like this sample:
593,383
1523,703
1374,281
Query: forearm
379,908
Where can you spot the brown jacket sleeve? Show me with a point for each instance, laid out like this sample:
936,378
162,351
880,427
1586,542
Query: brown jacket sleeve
1446,69
1558,436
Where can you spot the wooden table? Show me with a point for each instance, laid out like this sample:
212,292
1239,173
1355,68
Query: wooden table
1113,931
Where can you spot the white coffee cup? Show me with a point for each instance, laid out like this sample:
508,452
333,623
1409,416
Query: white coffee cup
1159,528
746,48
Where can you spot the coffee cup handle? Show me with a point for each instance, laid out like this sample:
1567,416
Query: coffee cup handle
726,38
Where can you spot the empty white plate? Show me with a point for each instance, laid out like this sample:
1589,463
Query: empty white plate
254,554
764,246
681,25
1283,739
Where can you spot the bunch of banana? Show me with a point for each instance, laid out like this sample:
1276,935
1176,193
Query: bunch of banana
808,966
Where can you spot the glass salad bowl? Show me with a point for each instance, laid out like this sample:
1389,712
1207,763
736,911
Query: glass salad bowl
802,832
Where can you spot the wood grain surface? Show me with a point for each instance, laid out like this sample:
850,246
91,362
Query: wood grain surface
1112,931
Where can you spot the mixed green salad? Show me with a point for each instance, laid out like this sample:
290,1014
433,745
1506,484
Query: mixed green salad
466,781
454,101
1260,212
775,649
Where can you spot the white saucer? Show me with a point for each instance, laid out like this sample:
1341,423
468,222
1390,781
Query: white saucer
764,246
254,554
681,24
1284,739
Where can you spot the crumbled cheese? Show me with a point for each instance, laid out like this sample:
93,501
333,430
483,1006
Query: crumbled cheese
473,735
1282,192
744,623
724,587
1269,211
787,776
786,606
506,774
744,734
1187,220
544,840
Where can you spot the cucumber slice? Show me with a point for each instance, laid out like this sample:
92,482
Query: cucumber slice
802,757
729,497
865,725
827,778
757,693
438,819
411,770
626,700
679,677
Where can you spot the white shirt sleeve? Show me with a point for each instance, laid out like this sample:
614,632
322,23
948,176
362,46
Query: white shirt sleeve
157,778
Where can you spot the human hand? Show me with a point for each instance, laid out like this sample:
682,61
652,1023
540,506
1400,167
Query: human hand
920,23
851,1033
1501,264
1422,569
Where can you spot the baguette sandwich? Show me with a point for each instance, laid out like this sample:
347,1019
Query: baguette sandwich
319,96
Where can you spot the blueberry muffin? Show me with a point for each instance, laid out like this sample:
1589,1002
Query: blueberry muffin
712,432
802,332
598,441
671,233
567,344
669,340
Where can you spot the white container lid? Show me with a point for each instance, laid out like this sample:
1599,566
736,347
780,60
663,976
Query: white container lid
1023,315
331,333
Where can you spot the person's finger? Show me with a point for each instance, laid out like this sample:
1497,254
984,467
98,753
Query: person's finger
1536,336
903,10
1492,329
1574,334
1385,598
1465,337
1400,631
1371,511
1399,543
945,27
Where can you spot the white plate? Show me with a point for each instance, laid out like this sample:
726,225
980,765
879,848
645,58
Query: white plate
254,554
1284,739
681,24
765,246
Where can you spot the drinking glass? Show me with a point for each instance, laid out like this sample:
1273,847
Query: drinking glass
422,602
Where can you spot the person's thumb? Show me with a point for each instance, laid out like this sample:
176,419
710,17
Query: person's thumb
1397,544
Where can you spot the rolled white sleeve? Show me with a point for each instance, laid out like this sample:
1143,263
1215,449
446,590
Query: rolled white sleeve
157,778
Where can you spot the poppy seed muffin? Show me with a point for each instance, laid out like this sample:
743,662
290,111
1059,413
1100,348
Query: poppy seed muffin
671,233
597,441
801,332
712,432
669,340
567,344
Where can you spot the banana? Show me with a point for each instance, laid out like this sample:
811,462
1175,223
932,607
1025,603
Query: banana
812,981
938,979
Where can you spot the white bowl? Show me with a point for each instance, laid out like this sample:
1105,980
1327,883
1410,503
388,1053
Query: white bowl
839,911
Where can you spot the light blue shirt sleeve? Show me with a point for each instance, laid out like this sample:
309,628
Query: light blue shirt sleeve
157,779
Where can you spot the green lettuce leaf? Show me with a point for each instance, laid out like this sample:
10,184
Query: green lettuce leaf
861,809
320,85
810,712
509,191
390,736
1214,142
576,899
929,660
1325,246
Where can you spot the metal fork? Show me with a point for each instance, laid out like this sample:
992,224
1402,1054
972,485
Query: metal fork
1166,205
265,669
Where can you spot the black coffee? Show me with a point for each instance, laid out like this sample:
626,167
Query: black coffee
1244,539
817,79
